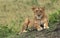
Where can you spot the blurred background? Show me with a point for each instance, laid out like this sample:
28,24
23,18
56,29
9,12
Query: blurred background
13,13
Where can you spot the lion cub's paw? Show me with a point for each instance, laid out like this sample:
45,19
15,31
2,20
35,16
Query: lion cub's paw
39,29
46,27
24,31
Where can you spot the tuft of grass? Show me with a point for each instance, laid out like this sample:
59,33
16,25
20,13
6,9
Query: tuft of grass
5,31
53,1
35,2
53,20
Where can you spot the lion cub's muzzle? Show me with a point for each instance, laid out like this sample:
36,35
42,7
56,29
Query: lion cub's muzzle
38,16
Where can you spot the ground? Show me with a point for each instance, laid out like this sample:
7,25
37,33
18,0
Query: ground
42,34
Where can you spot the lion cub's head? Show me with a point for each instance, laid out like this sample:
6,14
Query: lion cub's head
38,12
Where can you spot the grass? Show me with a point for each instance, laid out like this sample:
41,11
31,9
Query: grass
53,20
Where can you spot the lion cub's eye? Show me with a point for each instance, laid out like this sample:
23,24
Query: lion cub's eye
37,10
40,11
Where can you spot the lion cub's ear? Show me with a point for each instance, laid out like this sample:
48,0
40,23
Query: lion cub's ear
33,8
43,8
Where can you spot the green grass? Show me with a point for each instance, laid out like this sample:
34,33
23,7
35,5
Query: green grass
54,20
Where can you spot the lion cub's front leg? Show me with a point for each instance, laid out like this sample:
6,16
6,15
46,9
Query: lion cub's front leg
37,26
25,25
46,24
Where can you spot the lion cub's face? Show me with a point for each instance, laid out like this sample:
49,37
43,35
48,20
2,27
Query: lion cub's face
38,12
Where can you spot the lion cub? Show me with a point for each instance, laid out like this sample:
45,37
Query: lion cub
40,19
